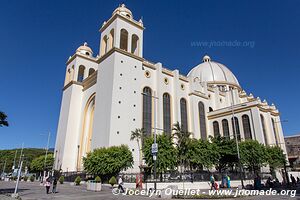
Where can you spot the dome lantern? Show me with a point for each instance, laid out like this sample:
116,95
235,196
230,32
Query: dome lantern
122,10
85,50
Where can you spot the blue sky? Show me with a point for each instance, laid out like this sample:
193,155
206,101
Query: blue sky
37,37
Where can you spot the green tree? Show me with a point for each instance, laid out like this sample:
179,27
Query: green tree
3,119
202,154
112,181
137,135
108,161
227,152
253,154
38,164
182,139
166,155
29,155
275,157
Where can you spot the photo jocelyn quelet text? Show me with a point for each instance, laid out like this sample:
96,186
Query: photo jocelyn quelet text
193,192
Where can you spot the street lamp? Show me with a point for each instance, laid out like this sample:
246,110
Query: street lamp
223,89
46,153
154,145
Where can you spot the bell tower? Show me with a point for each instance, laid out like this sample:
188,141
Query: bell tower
123,32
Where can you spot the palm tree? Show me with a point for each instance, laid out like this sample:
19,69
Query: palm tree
3,120
183,139
137,135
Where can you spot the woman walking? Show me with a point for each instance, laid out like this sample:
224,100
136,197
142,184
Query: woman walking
47,184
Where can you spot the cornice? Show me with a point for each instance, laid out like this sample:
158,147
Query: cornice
115,16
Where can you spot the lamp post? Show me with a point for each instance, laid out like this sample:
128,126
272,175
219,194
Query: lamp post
46,153
154,145
77,164
235,130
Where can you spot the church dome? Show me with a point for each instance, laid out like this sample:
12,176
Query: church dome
213,72
85,50
122,10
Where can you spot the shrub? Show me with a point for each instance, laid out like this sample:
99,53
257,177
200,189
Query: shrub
15,178
25,178
32,178
77,180
108,161
112,181
61,179
98,179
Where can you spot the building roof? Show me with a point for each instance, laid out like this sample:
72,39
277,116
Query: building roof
213,72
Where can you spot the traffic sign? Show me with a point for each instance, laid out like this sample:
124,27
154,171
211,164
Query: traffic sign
154,148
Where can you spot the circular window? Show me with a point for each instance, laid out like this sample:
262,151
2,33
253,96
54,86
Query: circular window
166,81
182,86
147,74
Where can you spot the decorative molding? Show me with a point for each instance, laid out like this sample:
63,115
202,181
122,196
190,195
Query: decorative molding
90,81
71,83
116,15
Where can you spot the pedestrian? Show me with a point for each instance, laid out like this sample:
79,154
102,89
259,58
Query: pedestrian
212,182
293,180
54,185
228,181
120,184
47,184
298,180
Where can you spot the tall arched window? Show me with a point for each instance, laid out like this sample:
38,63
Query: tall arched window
80,75
147,110
124,40
216,129
167,113
202,120
262,119
135,44
111,38
87,130
236,128
183,113
275,131
104,45
91,71
225,128
246,127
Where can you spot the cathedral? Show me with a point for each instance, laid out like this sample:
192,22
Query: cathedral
107,95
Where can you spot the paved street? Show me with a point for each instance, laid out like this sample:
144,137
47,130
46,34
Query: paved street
33,191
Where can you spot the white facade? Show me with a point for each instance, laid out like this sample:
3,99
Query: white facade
103,102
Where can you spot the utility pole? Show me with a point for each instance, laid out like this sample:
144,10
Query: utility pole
15,194
14,165
47,148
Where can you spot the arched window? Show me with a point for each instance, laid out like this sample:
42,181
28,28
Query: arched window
124,40
91,71
246,127
87,130
167,113
225,127
275,131
202,120
135,44
104,45
262,119
183,113
216,129
147,110
68,76
210,109
111,38
80,76
236,128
